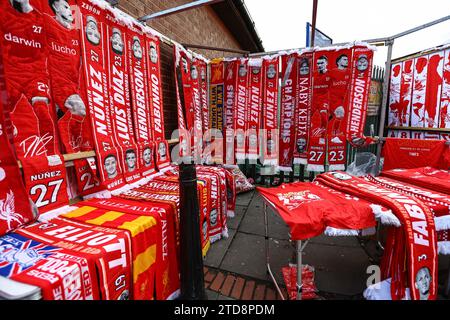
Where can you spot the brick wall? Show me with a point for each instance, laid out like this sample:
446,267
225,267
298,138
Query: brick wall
197,26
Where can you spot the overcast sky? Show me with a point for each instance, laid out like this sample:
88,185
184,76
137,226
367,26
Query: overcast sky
281,24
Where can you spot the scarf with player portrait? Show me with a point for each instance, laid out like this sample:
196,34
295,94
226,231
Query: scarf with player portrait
287,112
156,101
231,85
140,104
270,111
359,95
109,250
240,110
319,110
340,70
254,107
93,33
303,109
414,245
197,130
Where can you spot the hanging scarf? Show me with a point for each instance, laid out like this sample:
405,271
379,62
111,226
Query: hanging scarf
394,96
445,99
167,280
203,69
95,69
419,90
414,245
434,89
231,85
287,114
240,112
254,108
197,130
216,109
406,92
320,110
137,69
270,112
359,95
59,273
108,249
303,110
339,95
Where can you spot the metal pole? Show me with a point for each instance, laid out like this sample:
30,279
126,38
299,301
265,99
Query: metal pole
178,9
424,26
314,19
299,270
191,272
387,76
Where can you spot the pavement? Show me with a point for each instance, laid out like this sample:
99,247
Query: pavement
235,268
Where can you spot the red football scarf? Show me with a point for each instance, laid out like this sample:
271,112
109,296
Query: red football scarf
308,209
394,96
414,245
445,99
339,95
197,130
121,116
143,234
13,213
434,89
406,92
68,89
419,92
359,95
156,99
216,105
426,177
254,108
270,112
320,110
203,67
45,180
413,153
95,68
167,279
287,113
24,50
240,110
61,274
139,97
109,249
230,103
303,110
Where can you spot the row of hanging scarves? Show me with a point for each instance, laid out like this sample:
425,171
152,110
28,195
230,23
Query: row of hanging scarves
297,107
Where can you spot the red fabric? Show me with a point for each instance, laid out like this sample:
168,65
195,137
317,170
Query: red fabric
419,92
45,180
287,113
240,110
434,89
413,153
359,96
309,288
203,69
308,209
231,85
394,96
445,99
339,98
108,249
254,107
413,246
303,110
216,109
270,112
197,130
167,279
426,177
25,54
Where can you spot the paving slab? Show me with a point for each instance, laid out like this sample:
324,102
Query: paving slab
218,250
336,241
223,298
244,199
246,256
340,270
233,223
211,295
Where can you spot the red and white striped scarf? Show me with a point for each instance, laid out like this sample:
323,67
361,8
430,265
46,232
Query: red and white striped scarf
289,78
240,111
254,107
231,85
216,105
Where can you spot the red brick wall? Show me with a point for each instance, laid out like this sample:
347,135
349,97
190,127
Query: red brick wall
197,26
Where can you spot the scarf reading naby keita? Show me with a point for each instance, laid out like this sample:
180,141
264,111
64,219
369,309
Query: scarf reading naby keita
303,109
108,249
255,84
137,69
287,113
270,112
96,70
340,69
319,110
240,109
413,245
359,95
167,278
59,273
231,85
